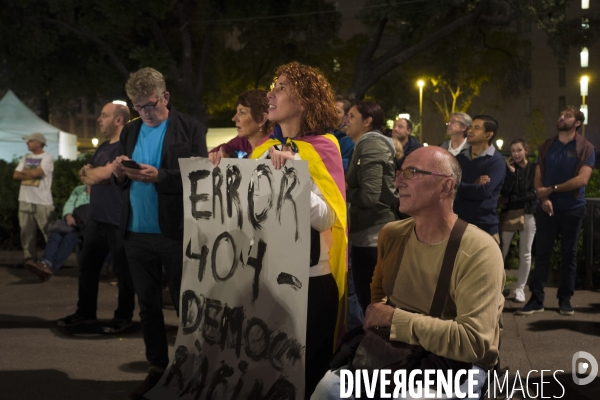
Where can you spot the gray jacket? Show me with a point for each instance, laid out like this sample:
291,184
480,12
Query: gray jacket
370,179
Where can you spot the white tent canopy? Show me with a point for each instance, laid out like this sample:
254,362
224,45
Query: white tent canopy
17,121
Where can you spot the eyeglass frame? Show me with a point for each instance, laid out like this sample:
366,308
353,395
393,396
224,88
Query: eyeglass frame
454,122
420,171
148,107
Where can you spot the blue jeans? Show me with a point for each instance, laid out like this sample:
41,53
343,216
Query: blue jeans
100,238
568,225
147,255
59,247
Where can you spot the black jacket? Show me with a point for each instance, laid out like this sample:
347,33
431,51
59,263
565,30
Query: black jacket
518,188
184,138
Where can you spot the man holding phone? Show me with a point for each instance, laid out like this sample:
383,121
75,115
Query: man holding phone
101,234
152,213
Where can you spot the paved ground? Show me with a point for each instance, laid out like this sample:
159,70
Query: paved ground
40,361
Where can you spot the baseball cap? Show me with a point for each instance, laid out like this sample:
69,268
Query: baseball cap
36,136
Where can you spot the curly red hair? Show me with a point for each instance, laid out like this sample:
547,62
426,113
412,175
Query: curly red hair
315,95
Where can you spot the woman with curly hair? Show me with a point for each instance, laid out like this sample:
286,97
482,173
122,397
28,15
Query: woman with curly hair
302,104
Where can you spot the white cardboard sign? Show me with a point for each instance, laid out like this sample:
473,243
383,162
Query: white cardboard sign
244,289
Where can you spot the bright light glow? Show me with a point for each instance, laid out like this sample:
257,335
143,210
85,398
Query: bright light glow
585,57
425,145
585,4
121,102
420,83
583,85
389,123
404,115
95,142
499,144
584,110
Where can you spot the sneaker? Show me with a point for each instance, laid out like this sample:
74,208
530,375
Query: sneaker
40,269
151,380
116,325
533,306
565,307
519,296
74,320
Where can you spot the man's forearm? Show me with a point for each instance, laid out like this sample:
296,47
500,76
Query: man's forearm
26,174
572,184
95,176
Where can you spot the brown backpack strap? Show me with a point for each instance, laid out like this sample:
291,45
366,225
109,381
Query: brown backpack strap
443,285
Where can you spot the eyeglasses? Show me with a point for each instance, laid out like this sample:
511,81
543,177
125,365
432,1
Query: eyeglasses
410,172
147,107
453,121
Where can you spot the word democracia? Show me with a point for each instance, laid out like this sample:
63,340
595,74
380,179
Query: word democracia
432,384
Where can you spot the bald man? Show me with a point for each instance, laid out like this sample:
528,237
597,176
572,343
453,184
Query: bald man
466,336
101,234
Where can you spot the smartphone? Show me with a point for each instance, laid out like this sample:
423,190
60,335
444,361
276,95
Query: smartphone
130,164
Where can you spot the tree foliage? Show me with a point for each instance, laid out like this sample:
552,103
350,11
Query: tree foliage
200,46
402,30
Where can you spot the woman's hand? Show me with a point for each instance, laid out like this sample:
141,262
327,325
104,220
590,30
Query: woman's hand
511,164
278,158
215,156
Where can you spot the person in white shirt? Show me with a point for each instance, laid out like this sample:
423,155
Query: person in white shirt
35,198
457,128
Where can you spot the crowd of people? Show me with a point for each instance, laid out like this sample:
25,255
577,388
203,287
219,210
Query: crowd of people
395,207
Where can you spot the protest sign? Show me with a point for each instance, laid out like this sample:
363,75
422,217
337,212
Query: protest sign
244,288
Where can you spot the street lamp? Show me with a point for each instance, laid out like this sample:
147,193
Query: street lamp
420,83
499,144
95,142
583,89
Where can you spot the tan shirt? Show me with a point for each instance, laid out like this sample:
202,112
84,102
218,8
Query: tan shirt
469,329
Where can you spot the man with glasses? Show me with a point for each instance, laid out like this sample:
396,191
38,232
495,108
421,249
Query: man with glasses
148,174
565,164
410,254
456,129
484,170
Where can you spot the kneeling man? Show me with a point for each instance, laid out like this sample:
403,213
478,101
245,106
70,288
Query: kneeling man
468,331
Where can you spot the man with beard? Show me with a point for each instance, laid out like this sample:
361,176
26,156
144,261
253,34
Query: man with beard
101,233
342,106
564,168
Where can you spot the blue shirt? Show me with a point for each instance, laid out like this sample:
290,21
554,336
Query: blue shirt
143,198
560,166
476,204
